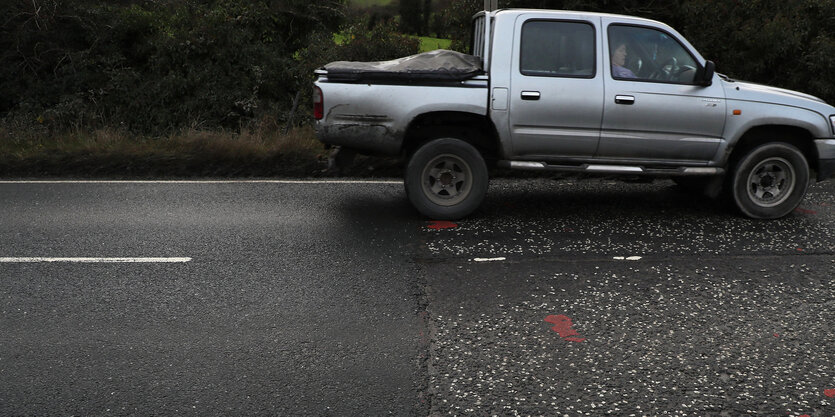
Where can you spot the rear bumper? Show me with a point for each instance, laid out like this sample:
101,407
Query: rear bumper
826,158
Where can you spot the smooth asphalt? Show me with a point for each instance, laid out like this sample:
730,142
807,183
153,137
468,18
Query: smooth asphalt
558,297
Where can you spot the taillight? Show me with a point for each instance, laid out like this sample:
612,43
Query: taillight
318,103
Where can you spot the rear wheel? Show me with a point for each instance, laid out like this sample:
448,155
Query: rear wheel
446,179
770,181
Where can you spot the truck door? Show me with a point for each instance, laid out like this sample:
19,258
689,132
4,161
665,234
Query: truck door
654,111
556,88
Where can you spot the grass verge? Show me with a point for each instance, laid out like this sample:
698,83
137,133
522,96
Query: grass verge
430,44
114,153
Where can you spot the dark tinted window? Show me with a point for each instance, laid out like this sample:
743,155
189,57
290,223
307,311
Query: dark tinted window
558,49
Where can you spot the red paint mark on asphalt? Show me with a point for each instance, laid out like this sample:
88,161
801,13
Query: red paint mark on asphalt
805,211
441,224
829,393
562,325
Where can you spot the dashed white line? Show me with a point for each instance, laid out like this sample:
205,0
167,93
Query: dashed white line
490,259
96,260
630,258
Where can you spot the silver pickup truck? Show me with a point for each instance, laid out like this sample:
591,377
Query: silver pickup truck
580,92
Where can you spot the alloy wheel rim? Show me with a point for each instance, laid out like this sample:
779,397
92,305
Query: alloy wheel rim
447,180
771,182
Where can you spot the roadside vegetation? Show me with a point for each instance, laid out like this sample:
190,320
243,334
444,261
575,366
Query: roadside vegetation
265,151
222,87
368,3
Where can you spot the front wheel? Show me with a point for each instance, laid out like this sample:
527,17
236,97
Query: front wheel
770,181
446,179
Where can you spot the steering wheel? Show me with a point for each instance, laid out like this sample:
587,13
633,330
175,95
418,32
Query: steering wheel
666,70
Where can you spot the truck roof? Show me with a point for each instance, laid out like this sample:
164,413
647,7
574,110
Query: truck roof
510,14
572,13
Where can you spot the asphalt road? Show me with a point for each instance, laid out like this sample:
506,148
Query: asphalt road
568,297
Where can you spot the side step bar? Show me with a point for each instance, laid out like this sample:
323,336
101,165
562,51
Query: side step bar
612,169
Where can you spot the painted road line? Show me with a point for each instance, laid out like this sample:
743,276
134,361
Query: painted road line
96,260
305,182
629,258
490,259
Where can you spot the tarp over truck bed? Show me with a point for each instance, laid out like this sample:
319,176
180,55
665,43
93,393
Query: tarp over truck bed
435,65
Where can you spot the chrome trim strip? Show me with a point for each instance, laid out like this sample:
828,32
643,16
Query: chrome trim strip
702,170
527,165
613,168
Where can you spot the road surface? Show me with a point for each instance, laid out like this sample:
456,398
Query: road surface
559,297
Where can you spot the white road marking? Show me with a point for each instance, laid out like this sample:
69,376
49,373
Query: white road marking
631,258
200,182
96,260
490,259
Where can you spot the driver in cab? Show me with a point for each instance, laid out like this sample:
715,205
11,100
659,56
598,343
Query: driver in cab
619,61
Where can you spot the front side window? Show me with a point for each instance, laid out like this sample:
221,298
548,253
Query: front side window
557,49
645,54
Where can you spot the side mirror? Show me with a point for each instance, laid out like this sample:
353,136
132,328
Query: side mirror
709,70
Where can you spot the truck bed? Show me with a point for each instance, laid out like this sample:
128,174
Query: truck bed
373,117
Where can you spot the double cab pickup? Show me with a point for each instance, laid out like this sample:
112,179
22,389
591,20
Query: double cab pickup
580,92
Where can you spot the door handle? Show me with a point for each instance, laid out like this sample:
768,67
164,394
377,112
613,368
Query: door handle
628,100
530,95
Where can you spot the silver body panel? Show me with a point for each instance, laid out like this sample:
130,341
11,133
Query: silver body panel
557,121
825,148
374,117
674,123
552,116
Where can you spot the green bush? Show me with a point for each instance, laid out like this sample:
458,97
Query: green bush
787,44
154,66
382,42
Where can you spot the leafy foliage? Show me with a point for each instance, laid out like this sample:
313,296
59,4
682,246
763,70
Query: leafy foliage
153,66
788,44
410,16
380,42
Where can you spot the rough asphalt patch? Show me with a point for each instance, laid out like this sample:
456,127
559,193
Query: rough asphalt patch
694,338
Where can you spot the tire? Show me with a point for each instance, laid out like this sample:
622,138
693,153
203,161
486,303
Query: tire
446,179
770,181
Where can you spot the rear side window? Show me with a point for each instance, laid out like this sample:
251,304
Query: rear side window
558,49
478,37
